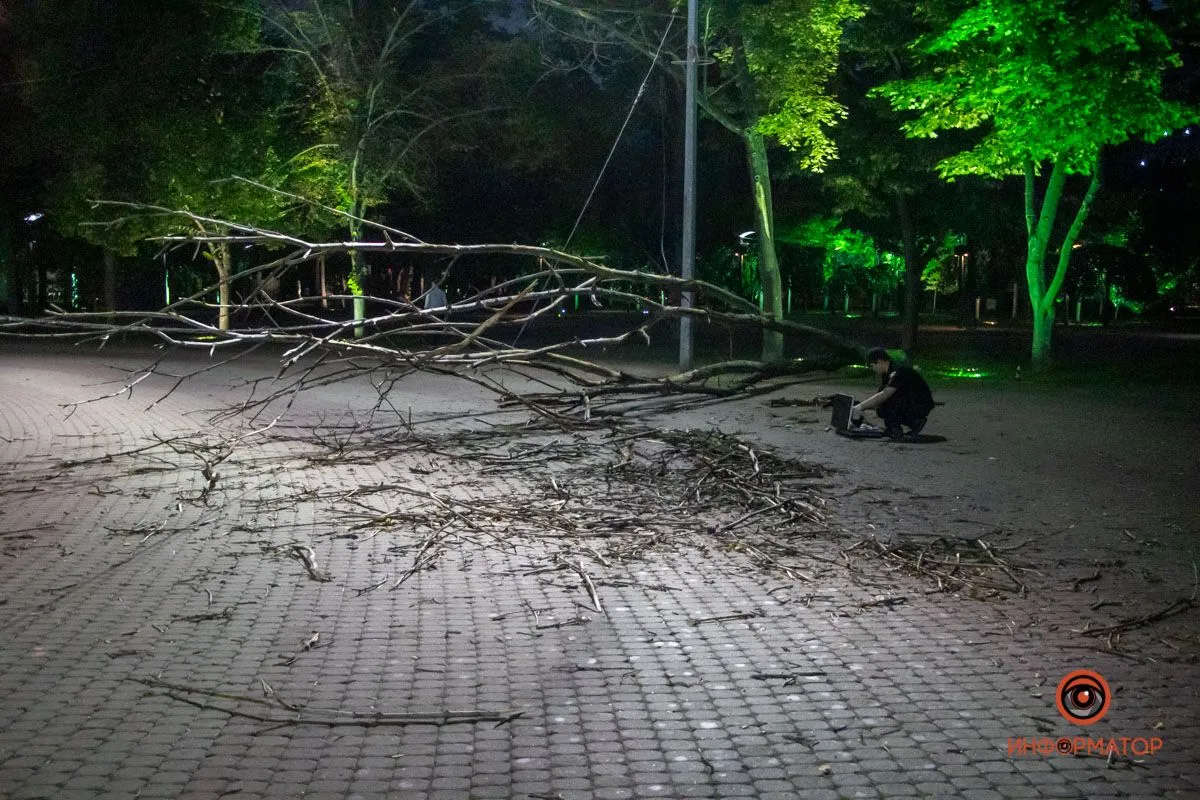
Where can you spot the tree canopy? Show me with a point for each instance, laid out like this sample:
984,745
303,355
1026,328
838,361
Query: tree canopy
1041,81
1046,85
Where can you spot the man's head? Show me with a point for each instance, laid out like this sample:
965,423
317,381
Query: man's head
879,361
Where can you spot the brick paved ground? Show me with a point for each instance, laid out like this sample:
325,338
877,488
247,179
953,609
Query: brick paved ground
121,578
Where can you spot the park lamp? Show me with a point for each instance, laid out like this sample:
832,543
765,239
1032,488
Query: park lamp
33,217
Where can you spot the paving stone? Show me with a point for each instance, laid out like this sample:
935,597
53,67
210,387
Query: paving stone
610,707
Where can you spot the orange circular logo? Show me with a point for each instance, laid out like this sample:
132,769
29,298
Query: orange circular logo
1083,697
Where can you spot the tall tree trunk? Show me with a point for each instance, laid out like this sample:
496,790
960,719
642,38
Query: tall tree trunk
358,288
768,260
1039,224
912,278
110,281
222,258
321,281
358,271
1043,327
764,212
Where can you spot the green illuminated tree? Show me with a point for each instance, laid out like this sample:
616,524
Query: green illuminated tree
148,104
1046,84
882,180
371,94
775,59
851,260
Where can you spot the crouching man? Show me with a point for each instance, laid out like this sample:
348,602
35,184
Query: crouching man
903,400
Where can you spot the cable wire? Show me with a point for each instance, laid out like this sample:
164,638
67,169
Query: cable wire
641,90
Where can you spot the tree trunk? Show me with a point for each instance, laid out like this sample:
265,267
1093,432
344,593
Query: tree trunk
912,279
358,288
321,281
764,211
358,275
1040,226
223,260
1043,325
768,261
110,281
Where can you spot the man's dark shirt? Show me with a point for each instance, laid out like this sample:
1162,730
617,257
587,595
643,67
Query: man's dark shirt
912,392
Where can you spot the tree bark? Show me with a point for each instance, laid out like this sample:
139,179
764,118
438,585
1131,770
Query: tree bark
358,267
1040,226
321,281
912,278
768,260
223,260
110,281
764,212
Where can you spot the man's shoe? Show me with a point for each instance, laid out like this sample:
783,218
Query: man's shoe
917,426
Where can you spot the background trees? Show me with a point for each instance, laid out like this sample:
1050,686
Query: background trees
133,102
465,122
1049,84
772,64
376,91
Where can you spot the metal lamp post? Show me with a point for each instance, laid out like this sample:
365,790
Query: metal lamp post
689,191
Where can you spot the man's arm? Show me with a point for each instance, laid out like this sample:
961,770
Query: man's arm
874,401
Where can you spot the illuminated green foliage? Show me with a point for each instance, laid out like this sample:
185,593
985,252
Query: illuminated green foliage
851,258
1045,85
791,52
1047,81
774,61
942,272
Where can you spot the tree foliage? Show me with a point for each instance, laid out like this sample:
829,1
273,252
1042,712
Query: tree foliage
1042,81
791,52
773,59
141,103
375,93
1045,85
851,259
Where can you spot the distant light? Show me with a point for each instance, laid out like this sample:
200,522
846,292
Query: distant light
34,217
746,234
1172,309
1143,162
1187,131
968,373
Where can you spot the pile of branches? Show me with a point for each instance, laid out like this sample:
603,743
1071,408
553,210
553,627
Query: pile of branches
475,338
573,504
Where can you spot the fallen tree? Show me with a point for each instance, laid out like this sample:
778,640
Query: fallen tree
471,338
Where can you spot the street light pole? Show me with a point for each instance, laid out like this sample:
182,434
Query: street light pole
689,190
